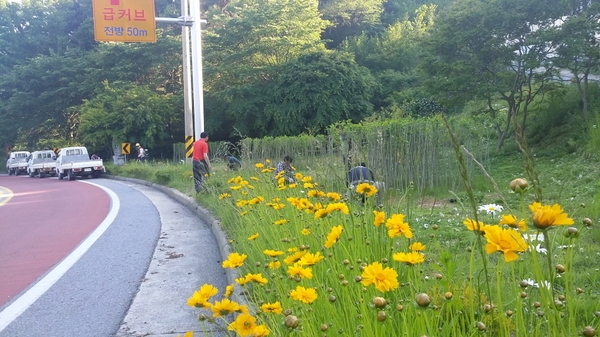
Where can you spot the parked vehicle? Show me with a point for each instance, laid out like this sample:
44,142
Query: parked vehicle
75,161
17,162
41,163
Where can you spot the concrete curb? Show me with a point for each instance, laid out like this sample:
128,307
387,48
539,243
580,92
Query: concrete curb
203,214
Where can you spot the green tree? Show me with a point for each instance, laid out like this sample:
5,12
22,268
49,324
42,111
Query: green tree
494,50
317,90
133,113
350,18
244,45
579,47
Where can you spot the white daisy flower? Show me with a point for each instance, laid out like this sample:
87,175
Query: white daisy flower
491,209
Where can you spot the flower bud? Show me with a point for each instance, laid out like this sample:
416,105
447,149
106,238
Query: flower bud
332,298
324,327
287,312
292,321
587,221
399,307
572,232
480,326
519,185
379,302
560,268
381,316
448,295
423,300
588,331
509,313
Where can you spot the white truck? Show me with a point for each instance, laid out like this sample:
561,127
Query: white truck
75,161
41,163
17,162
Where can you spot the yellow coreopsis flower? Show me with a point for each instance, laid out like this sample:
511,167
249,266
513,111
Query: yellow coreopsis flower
235,187
228,290
512,221
338,206
409,258
334,196
321,213
259,165
305,295
274,265
202,295
244,325
473,225
261,331
273,253
306,179
379,218
507,241
267,170
294,185
253,237
384,279
310,259
294,257
224,195
305,231
224,307
545,216
333,236
417,246
234,260
300,271
280,222
254,178
241,203
397,227
258,278
274,308
366,189
308,185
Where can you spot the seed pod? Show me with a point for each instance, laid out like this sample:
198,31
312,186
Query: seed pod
399,307
523,284
572,232
381,316
379,302
519,185
562,297
438,276
357,278
560,268
332,299
587,221
292,321
448,295
423,300
345,282
523,294
509,313
287,312
341,276
435,227
537,304
324,327
346,262
588,331
384,260
480,326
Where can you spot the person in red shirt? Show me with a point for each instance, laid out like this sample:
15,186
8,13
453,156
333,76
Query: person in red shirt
201,163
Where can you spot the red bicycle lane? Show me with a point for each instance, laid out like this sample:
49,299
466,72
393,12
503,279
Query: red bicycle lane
43,221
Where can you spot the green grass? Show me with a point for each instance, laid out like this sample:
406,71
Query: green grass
436,219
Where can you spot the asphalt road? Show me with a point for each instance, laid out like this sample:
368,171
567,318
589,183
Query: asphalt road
130,275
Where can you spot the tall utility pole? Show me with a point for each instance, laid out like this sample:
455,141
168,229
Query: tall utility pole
197,68
192,76
187,92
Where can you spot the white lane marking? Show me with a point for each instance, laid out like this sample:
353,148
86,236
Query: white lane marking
15,309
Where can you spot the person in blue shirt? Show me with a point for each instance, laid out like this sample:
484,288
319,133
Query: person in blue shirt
232,162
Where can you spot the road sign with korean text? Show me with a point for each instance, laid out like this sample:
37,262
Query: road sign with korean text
124,20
